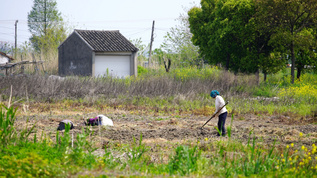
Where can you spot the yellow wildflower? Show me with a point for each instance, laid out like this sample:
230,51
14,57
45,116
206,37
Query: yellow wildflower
292,144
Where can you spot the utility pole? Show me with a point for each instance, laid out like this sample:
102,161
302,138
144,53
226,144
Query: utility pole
152,39
15,50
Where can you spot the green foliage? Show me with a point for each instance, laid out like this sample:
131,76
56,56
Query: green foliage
290,26
142,49
248,36
178,41
223,33
8,134
45,25
229,129
30,165
221,158
40,158
142,70
265,90
7,130
184,161
137,150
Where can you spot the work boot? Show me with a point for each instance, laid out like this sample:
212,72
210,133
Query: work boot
224,134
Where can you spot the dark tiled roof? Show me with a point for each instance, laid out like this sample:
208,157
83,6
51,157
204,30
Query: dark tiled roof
108,41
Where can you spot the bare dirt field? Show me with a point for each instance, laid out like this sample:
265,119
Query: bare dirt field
167,129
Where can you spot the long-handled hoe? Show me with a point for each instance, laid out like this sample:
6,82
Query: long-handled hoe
214,115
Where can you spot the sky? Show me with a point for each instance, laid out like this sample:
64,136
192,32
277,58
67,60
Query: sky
133,18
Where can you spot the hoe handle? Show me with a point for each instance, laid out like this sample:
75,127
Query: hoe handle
214,114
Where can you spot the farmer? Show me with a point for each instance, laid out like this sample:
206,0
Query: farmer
222,113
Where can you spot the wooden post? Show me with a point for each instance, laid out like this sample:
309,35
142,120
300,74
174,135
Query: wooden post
15,50
22,65
42,62
149,62
35,64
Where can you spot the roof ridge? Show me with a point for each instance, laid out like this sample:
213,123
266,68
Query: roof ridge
106,40
97,30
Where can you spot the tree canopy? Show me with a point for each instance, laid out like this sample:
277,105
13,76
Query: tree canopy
252,35
293,23
46,25
178,41
222,31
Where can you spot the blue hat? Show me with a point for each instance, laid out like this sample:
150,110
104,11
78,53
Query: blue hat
214,93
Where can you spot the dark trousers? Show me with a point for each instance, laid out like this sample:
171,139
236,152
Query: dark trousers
222,122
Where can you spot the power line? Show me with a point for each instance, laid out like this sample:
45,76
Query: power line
139,32
8,34
162,29
7,27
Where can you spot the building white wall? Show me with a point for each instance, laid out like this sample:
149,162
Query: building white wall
114,65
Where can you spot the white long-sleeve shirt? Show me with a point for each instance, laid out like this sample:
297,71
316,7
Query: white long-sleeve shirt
219,103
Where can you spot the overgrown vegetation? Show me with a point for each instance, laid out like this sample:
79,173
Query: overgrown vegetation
42,157
24,153
185,89
27,153
251,36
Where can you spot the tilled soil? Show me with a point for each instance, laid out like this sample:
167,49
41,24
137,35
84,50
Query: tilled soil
162,129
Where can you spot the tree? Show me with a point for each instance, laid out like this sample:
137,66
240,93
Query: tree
142,49
46,25
270,59
288,20
178,41
223,33
305,51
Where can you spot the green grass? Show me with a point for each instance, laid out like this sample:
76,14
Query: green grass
21,157
182,90
275,96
